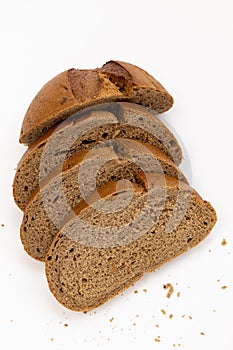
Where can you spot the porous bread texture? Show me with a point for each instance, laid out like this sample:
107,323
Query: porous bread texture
96,256
84,131
60,192
76,89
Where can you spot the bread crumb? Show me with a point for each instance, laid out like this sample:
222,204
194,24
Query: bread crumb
158,340
145,290
183,316
137,315
157,325
202,333
134,324
178,294
52,339
179,344
224,242
65,325
224,287
171,289
170,316
2,225
136,292
163,312
85,312
190,317
209,250
111,319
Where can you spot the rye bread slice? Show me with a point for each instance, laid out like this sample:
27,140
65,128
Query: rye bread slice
98,124
76,89
62,190
95,256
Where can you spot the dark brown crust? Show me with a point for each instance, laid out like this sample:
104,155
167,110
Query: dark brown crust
75,89
84,83
131,75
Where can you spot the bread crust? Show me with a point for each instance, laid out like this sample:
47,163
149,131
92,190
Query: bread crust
73,90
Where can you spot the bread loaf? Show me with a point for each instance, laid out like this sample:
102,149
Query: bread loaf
76,89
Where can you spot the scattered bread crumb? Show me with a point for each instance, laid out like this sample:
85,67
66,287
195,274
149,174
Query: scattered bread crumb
209,250
157,325
183,316
224,242
178,294
85,312
224,287
111,319
170,316
136,292
171,289
163,312
65,325
158,340
145,290
137,315
190,317
52,339
179,344
134,324
202,333
2,225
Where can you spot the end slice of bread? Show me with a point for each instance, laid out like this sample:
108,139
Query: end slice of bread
95,256
76,89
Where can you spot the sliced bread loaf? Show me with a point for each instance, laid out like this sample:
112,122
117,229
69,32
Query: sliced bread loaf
60,192
77,89
84,131
96,255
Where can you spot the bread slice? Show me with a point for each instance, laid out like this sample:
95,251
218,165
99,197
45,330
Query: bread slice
96,255
60,192
84,131
76,89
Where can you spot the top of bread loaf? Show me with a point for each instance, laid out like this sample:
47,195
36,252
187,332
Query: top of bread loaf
76,89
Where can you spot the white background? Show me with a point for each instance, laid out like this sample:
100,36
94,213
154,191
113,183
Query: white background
188,46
